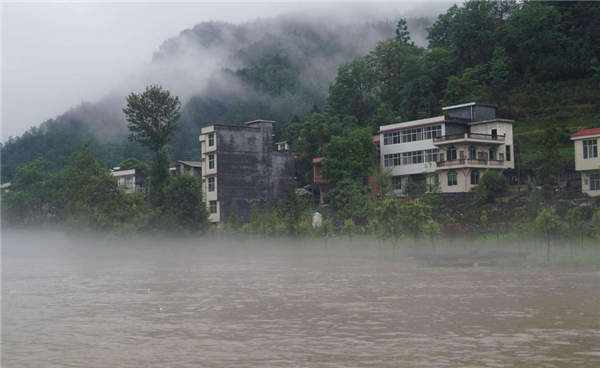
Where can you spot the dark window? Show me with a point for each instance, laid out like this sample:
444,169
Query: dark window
451,153
396,182
452,178
590,148
474,177
507,153
594,181
472,152
494,132
211,139
212,205
211,161
211,184
493,154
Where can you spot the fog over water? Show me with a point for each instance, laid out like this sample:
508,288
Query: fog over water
78,303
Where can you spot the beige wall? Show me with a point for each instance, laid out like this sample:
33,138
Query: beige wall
586,187
589,163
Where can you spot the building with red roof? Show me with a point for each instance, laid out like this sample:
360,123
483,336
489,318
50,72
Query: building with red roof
587,161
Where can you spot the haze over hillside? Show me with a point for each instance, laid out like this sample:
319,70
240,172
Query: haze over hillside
59,61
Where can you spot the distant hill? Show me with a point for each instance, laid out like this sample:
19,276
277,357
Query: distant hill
224,73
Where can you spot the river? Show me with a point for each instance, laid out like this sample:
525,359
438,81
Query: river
181,307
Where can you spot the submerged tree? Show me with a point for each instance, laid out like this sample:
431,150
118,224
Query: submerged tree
547,222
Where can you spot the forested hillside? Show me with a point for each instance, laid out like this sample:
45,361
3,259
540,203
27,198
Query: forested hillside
539,61
224,73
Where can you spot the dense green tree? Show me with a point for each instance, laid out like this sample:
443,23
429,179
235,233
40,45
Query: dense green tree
413,217
186,212
152,117
134,163
36,197
547,222
159,179
350,156
292,207
387,221
350,94
349,198
499,71
547,159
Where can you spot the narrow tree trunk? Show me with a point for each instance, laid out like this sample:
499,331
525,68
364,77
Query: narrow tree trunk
548,251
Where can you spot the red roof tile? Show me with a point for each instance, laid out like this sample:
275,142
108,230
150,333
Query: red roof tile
585,132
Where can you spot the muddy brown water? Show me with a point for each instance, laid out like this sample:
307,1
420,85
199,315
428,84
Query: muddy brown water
64,308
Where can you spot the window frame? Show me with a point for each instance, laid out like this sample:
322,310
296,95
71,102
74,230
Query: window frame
211,184
453,156
477,175
594,181
508,155
211,162
211,139
590,148
454,175
212,205
493,154
472,150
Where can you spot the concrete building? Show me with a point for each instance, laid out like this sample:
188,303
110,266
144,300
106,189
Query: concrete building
239,165
587,161
324,186
131,180
193,168
460,146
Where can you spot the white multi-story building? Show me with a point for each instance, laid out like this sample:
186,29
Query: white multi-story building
587,160
131,180
460,146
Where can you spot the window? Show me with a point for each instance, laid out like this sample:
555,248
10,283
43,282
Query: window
392,160
212,206
452,178
594,181
508,153
211,139
472,153
211,184
410,158
590,148
451,153
396,182
493,154
494,133
391,138
412,135
211,161
474,177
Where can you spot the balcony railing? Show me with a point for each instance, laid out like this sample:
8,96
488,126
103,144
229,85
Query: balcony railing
469,162
484,137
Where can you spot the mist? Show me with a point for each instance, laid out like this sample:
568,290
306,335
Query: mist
100,53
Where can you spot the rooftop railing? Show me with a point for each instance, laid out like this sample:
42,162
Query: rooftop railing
479,136
469,161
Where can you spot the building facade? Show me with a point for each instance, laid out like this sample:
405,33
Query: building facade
131,180
459,147
587,161
239,165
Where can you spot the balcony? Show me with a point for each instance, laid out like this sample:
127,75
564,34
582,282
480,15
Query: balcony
470,162
470,137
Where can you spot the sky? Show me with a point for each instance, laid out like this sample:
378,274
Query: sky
57,54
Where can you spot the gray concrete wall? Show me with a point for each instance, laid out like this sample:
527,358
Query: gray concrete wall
481,113
456,128
248,169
